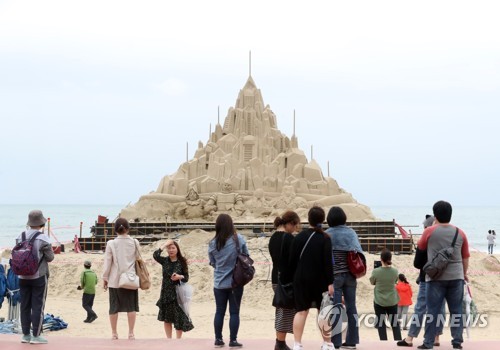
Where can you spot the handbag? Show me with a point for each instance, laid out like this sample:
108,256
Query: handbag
142,271
128,280
283,296
283,293
243,269
356,262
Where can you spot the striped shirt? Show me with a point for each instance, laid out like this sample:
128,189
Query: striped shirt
340,261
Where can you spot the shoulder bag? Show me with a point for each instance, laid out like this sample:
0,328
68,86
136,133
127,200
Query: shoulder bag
243,270
141,270
439,263
356,262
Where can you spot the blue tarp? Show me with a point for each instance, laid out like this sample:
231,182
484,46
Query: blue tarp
53,323
3,284
7,327
13,293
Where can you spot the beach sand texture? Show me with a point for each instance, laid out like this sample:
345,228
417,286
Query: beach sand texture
257,314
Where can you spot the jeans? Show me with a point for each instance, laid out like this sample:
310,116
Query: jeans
417,319
490,248
438,291
392,312
345,285
87,303
222,297
33,295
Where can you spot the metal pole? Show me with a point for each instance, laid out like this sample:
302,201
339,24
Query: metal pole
48,227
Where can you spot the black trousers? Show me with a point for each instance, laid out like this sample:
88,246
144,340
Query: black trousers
392,313
87,303
33,295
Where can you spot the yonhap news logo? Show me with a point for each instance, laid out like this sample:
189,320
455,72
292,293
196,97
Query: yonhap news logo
332,320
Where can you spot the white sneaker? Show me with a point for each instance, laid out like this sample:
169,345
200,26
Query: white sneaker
327,346
297,346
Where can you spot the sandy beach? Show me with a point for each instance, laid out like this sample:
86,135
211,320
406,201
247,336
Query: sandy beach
257,314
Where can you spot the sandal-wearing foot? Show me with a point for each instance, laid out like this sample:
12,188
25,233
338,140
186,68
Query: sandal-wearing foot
131,336
404,343
114,336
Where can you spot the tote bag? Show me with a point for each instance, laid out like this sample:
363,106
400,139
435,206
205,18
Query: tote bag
142,271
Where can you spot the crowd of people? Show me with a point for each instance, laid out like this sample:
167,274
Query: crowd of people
313,260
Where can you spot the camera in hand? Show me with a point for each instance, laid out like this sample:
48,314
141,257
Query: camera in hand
377,263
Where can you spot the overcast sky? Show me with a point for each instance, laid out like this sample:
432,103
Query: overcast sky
98,98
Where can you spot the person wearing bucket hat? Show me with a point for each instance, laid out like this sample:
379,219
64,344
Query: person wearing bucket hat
36,219
88,281
33,288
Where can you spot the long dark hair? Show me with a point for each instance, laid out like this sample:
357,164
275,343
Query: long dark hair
121,226
224,228
402,278
286,218
181,258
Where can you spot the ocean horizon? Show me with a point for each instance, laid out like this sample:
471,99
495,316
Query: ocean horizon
65,220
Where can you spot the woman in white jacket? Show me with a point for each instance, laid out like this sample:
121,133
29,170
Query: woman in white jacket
120,257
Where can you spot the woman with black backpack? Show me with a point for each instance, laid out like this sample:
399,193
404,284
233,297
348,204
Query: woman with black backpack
222,252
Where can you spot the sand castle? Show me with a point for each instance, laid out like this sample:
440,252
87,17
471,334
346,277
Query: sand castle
247,168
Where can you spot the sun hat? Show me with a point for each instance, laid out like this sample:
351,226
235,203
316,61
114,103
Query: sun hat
87,263
36,218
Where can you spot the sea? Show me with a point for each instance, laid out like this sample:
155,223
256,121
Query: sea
66,221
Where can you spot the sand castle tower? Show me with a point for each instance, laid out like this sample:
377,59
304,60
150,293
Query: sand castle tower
248,168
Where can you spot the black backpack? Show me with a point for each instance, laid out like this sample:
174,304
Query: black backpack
436,267
243,270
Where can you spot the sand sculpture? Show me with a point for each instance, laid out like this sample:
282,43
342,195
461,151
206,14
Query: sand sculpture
249,169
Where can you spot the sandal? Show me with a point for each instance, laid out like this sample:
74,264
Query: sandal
131,336
436,344
114,336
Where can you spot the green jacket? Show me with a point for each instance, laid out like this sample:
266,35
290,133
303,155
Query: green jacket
88,281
